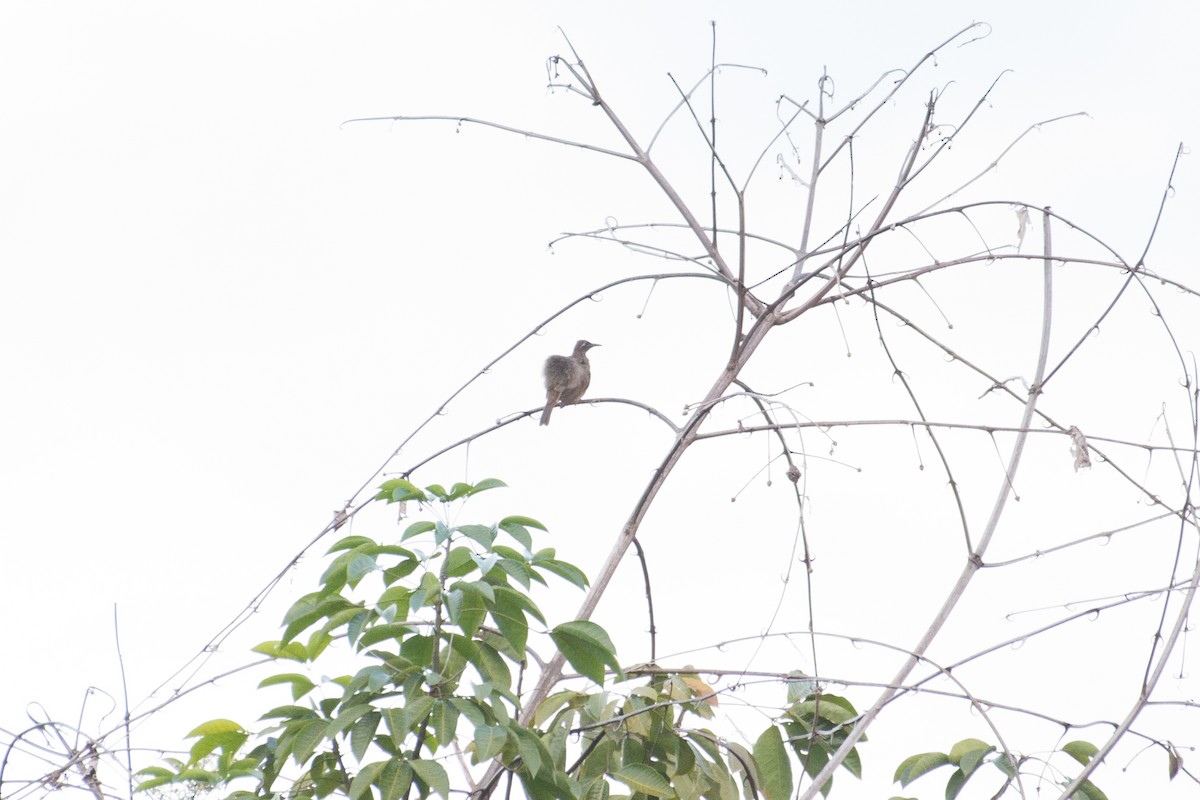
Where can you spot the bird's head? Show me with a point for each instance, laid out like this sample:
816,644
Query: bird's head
583,345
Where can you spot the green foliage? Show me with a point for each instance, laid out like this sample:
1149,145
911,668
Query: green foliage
438,635
438,625
968,754
587,648
816,726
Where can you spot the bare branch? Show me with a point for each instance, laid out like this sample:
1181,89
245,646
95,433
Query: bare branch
508,129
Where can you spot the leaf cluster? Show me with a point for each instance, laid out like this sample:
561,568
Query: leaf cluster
968,755
438,625
439,642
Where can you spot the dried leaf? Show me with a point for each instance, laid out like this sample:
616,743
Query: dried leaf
1079,449
1022,224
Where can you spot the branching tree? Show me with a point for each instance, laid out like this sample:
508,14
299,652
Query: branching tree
944,486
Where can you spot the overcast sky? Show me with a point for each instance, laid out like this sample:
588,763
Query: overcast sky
221,310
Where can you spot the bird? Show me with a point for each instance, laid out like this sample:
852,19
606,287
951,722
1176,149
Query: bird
567,378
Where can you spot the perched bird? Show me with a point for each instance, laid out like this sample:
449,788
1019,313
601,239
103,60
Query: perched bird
567,378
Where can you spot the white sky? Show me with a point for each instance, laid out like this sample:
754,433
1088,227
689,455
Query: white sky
220,311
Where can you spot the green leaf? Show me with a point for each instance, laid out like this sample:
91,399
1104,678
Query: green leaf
361,785
468,610
289,712
829,707
444,720
382,633
359,566
398,490
317,642
1089,791
533,753
1081,751
968,754
199,776
492,667
553,703
349,543
469,710
459,562
853,763
416,710
460,490
587,648
353,618
914,767
416,529
513,563
489,742
301,684
308,735
684,758
228,742
510,619
348,717
522,600
372,677
568,572
393,783
363,732
153,782
967,746
1005,765
310,608
641,778
524,522
799,686
814,760
394,597
433,775
482,534
417,649
773,764
276,649
957,781
488,483
216,726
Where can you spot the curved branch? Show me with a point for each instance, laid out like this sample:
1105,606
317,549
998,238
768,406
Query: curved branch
976,559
